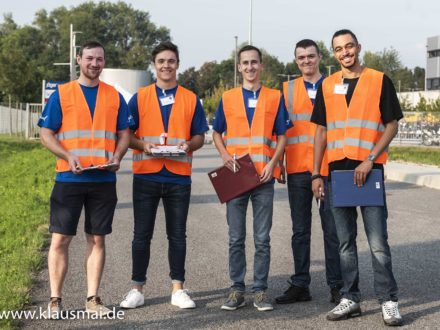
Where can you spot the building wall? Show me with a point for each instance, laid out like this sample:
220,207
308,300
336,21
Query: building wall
433,63
414,97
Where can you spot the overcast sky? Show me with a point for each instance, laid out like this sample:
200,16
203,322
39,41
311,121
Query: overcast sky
204,30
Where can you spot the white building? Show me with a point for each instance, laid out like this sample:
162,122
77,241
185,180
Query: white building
433,64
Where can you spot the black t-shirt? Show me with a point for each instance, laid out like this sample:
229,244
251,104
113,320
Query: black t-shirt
389,110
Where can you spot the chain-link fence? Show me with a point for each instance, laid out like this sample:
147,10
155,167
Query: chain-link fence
20,119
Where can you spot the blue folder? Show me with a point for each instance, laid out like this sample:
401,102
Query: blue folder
345,193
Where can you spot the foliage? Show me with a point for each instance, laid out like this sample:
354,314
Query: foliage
388,61
27,53
419,155
26,176
190,79
210,102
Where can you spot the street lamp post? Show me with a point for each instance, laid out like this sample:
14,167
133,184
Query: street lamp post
329,68
72,53
250,24
235,62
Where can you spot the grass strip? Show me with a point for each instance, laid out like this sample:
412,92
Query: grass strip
26,180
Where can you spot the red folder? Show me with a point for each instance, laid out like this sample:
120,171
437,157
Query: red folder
229,185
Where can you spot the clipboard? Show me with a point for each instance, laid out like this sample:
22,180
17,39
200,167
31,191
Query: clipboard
229,185
167,151
99,167
346,194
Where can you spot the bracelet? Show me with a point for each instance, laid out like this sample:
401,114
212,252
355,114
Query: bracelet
315,176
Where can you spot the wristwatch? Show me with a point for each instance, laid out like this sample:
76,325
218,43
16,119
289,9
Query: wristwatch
371,157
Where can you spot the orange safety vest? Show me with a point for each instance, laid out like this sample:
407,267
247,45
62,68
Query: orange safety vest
353,131
151,128
93,141
300,137
258,140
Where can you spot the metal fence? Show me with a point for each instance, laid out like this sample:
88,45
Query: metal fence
419,128
20,119
416,128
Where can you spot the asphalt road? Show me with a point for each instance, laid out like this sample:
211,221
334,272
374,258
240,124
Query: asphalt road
413,235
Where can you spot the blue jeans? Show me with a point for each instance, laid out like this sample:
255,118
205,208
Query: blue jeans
262,207
375,225
299,187
175,199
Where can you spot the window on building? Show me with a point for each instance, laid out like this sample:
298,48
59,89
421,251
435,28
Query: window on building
434,84
434,53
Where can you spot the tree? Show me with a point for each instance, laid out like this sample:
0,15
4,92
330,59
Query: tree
272,75
211,101
127,34
208,78
190,79
20,69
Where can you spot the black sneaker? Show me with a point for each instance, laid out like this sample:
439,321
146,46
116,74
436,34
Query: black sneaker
335,295
293,294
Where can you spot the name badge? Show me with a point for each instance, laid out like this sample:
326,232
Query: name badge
312,93
341,89
252,103
166,100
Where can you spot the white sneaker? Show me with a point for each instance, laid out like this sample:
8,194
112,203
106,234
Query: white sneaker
181,299
390,313
346,308
133,299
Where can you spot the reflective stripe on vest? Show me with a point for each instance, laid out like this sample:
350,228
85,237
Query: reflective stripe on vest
254,140
144,156
356,123
353,131
298,139
91,153
74,134
92,140
151,128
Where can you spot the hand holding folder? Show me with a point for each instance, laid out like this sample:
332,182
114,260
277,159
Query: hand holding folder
229,184
347,194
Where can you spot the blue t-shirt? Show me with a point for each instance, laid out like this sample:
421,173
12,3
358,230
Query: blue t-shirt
313,87
52,118
199,125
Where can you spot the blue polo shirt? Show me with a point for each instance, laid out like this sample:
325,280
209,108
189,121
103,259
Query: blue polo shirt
199,125
313,87
52,118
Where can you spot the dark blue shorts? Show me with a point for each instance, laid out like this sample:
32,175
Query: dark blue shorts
68,199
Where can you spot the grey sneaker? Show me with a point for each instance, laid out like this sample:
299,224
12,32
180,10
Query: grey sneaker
346,308
262,302
235,300
54,309
390,313
95,306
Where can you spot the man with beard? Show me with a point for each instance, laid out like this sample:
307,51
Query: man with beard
357,111
85,124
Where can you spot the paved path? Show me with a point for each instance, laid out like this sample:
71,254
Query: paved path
414,233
